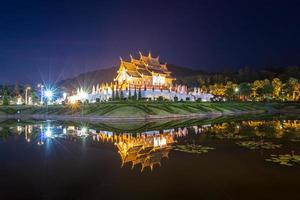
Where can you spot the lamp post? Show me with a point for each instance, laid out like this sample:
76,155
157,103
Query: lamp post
237,91
26,94
42,93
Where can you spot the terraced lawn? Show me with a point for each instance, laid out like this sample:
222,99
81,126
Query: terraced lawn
140,108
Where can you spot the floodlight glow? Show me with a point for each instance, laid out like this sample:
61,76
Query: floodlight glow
49,94
48,132
83,95
84,130
73,99
64,96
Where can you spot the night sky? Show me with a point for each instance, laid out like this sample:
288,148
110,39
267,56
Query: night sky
52,40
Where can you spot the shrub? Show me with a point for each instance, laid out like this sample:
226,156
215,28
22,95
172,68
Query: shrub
175,98
5,98
160,98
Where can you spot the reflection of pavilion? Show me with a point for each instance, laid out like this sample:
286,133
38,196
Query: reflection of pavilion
145,149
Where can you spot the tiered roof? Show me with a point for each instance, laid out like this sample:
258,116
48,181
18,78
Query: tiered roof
145,66
141,150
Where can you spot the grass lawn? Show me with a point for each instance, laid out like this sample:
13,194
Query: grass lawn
141,108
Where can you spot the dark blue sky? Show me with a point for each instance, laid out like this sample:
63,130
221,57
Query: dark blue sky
58,39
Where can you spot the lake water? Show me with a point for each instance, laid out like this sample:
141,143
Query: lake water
191,159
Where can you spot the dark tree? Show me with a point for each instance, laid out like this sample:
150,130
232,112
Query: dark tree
129,94
113,94
121,95
244,90
140,94
135,94
5,98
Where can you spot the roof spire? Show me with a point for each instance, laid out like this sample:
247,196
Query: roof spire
140,54
121,59
131,57
149,55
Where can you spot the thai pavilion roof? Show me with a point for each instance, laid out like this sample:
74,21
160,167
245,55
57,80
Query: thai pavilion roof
158,71
129,66
145,66
144,72
135,74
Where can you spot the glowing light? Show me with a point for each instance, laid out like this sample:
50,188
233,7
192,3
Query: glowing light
49,94
83,130
158,80
73,99
19,101
159,142
48,132
64,95
83,95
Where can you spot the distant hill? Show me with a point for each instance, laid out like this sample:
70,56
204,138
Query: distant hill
88,79
107,75
188,76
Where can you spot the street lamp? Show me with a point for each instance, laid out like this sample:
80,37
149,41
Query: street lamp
237,91
26,94
41,86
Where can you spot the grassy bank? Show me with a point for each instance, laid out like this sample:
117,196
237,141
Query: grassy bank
161,124
141,109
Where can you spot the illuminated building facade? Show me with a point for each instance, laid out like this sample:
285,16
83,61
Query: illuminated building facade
144,72
143,78
146,149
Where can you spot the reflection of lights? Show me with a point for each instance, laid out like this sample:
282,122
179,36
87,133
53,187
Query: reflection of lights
64,131
159,142
84,130
19,128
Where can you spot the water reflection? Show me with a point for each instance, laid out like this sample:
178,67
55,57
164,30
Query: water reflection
260,128
147,149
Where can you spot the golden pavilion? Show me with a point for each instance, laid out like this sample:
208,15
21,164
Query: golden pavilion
146,150
146,72
142,149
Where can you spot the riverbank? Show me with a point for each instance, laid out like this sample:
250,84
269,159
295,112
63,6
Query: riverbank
145,110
